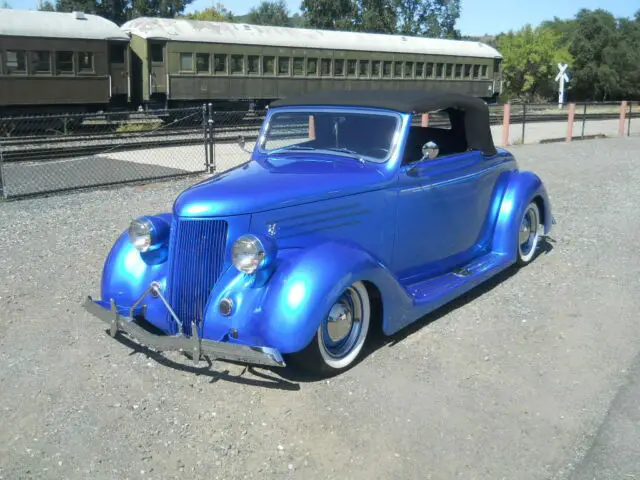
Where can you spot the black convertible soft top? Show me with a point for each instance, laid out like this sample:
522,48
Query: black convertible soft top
469,115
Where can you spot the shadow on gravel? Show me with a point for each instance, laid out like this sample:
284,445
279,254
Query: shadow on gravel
265,380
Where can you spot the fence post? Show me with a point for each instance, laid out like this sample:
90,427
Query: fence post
312,127
506,121
584,119
572,112
524,119
425,120
204,137
2,191
623,111
629,124
212,158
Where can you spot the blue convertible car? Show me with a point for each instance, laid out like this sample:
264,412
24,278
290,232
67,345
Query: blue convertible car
348,217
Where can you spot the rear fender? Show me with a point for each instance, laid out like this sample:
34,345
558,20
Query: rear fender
285,311
523,187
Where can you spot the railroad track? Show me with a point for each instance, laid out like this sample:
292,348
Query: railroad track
56,149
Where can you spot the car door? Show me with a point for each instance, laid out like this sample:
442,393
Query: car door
443,206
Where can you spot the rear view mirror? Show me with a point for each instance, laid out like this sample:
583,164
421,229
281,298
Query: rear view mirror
430,150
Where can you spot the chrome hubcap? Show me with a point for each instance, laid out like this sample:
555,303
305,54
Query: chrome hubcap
528,231
341,328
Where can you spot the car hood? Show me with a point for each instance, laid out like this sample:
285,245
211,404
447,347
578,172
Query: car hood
283,182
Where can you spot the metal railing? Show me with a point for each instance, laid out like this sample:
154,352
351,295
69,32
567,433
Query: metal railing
53,153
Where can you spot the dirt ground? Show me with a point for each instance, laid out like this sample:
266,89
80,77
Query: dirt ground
533,376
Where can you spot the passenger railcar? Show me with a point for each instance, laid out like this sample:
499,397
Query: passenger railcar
61,62
180,62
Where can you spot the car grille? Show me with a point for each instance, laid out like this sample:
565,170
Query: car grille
196,257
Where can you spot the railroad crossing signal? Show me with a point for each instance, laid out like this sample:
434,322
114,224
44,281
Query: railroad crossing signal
562,78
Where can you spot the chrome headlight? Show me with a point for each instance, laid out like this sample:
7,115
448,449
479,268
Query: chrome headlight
140,234
148,233
248,253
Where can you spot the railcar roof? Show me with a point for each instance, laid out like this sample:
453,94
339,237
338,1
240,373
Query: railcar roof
30,23
244,34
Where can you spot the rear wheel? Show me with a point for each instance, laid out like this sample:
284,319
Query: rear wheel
340,336
529,234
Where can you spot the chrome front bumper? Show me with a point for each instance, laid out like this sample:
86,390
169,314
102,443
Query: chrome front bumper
194,345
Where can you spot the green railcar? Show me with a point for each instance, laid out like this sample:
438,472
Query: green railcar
179,63
61,62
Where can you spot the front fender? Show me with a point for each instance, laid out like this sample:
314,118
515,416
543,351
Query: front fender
127,274
523,187
285,311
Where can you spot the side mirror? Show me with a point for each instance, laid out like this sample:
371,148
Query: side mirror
430,150
241,143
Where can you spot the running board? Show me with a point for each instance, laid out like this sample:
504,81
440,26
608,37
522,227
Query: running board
437,291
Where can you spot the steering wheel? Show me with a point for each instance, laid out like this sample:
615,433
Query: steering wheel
384,150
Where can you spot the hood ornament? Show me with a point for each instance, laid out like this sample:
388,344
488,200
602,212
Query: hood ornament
272,229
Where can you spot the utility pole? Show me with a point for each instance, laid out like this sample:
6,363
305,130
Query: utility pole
562,78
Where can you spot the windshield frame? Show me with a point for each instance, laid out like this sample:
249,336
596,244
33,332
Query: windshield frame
335,109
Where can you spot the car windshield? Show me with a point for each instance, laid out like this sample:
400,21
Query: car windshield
363,135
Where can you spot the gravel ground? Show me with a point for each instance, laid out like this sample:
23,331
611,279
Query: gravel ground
522,379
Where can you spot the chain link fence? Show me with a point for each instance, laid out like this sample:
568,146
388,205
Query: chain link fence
53,153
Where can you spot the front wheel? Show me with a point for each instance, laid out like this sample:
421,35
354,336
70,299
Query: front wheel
529,234
340,336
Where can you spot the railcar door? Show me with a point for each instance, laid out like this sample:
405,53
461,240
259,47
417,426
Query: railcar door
119,72
157,69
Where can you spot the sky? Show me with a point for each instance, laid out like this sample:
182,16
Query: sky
477,17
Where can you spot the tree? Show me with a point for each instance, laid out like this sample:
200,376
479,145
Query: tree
330,14
529,62
119,11
377,16
46,6
273,13
5,4
433,18
219,13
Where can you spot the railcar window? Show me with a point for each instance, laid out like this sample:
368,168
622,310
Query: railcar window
429,70
85,62
386,69
364,68
352,67
449,72
458,70
376,68
157,54
64,62
312,66
253,64
186,62
397,69
325,67
237,64
116,53
283,65
485,68
439,70
269,65
467,71
16,61
338,67
408,69
476,71
298,66
41,62
202,62
419,69
220,63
